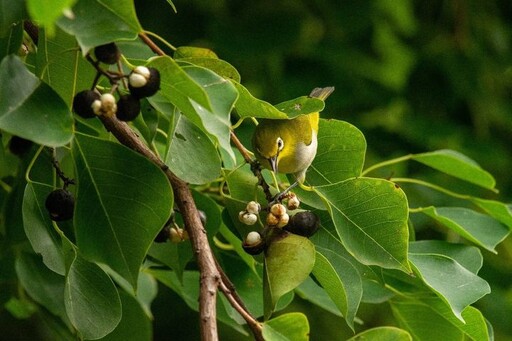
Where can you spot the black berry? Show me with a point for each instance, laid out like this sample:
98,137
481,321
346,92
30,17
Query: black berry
108,53
83,103
60,204
128,108
144,81
19,146
303,223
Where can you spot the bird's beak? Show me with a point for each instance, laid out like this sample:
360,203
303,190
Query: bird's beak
273,163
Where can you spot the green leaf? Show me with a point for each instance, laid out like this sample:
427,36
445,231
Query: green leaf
370,216
135,325
123,201
178,88
382,334
287,327
175,256
341,282
203,96
248,283
476,227
309,290
452,282
194,52
457,165
301,106
12,12
38,227
43,285
11,42
91,299
340,155
498,210
60,65
222,96
99,22
47,12
469,257
442,324
288,262
188,148
219,66
249,106
30,109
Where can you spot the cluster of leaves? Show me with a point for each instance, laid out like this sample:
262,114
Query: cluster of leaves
96,276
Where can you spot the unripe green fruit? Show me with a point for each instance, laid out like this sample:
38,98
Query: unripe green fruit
60,204
108,53
84,103
303,223
128,108
144,81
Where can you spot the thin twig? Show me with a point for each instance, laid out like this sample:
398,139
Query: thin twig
255,166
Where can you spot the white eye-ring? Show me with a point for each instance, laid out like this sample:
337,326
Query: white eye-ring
280,144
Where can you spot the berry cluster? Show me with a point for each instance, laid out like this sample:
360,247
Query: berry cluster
142,82
173,233
303,223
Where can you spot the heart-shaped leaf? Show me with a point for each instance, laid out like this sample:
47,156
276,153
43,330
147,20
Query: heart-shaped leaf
91,299
123,201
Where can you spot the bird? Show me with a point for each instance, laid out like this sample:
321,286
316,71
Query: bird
289,145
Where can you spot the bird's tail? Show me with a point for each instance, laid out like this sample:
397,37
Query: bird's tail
321,93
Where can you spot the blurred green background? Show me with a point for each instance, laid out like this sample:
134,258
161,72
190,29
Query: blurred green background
413,76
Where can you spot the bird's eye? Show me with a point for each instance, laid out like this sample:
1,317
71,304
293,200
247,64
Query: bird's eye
280,144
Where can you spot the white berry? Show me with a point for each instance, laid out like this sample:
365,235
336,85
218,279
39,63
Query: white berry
283,220
137,80
253,238
253,207
272,220
248,218
293,203
143,71
108,105
278,210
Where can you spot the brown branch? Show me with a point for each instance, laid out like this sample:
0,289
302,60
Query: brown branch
210,277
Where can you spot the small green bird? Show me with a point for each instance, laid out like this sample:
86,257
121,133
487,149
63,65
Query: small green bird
289,145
